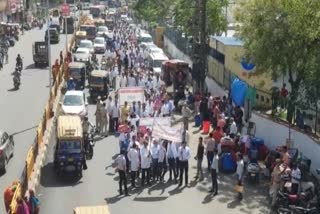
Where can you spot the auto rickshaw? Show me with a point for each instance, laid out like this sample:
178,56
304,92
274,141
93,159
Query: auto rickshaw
77,70
98,84
69,152
92,210
175,72
99,22
109,23
80,35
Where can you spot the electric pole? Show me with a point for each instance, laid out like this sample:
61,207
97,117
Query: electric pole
199,47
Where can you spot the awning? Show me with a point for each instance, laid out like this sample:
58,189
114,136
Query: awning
3,5
12,6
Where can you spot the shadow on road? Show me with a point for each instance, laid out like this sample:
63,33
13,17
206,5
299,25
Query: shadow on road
28,67
150,199
24,130
50,179
13,89
114,199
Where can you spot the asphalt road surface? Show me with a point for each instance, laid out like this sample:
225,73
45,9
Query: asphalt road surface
21,110
99,186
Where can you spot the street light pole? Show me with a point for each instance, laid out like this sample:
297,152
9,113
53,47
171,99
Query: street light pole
49,48
65,30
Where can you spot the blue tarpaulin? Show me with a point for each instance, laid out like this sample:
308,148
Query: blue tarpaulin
238,91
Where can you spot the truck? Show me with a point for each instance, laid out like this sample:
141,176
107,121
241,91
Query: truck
40,54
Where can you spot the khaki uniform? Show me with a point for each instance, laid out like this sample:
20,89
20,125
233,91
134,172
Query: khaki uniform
104,121
98,114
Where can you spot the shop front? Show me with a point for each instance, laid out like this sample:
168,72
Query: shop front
12,11
3,7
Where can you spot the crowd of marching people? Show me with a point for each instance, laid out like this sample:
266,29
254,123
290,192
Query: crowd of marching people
143,156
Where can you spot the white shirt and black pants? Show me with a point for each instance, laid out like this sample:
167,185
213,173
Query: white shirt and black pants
240,172
115,113
155,149
214,172
172,156
121,168
145,164
184,156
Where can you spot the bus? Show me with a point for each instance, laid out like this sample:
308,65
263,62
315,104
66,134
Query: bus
69,29
91,31
97,10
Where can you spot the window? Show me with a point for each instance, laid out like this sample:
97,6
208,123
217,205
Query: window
72,100
257,96
268,100
262,98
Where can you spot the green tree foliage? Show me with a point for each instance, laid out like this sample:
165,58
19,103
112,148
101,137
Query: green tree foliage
282,37
216,20
151,10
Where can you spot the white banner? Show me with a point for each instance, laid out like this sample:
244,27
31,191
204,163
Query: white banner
148,121
167,133
131,94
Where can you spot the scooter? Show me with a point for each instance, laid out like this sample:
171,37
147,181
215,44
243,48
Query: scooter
292,209
302,199
253,171
16,82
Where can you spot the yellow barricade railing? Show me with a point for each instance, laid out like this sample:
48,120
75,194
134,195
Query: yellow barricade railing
47,112
40,133
14,204
30,162
32,153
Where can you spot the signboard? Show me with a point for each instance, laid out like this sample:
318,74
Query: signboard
150,121
131,94
65,10
167,133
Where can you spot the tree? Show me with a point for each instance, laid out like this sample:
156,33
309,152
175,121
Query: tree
151,10
281,36
184,15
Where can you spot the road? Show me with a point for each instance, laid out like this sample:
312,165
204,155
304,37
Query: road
21,110
99,186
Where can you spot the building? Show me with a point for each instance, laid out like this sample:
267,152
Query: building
224,64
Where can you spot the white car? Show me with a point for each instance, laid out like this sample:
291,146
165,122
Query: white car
74,102
86,44
153,49
82,55
99,45
102,30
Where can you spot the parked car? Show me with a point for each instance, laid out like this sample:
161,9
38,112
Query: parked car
86,44
6,149
74,102
99,45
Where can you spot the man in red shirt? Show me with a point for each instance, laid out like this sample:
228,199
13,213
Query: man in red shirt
217,134
283,96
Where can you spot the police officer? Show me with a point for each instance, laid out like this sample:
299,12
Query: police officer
98,113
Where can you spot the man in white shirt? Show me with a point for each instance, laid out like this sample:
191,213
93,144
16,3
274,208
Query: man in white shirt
145,156
132,81
114,75
214,172
233,128
133,156
144,112
123,80
155,149
108,108
295,178
115,113
171,156
141,81
162,162
184,154
150,107
240,172
121,164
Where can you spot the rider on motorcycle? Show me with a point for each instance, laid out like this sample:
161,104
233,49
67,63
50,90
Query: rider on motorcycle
16,73
86,129
19,61
71,84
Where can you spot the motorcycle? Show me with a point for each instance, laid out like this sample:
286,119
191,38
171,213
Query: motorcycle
16,82
253,171
90,142
302,199
297,210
